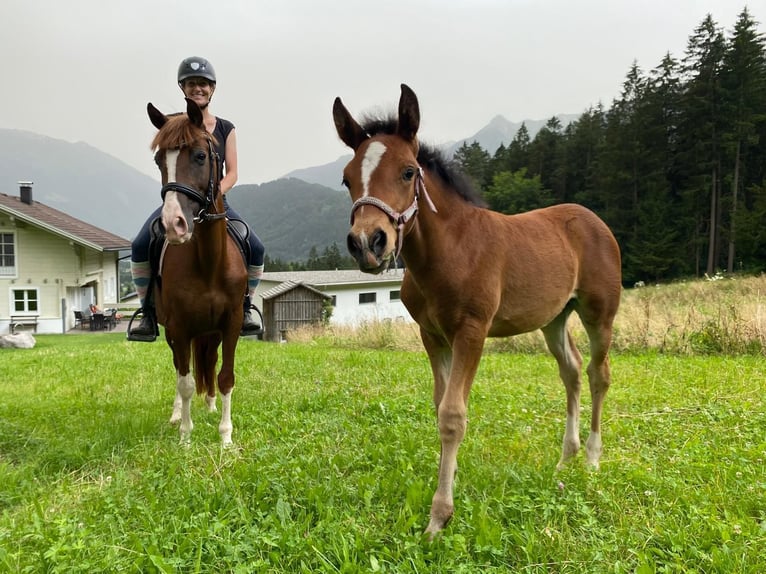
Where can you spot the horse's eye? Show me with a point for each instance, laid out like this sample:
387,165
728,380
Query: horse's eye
408,173
345,183
200,156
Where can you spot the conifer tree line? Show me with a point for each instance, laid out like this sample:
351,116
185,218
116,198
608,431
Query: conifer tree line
676,166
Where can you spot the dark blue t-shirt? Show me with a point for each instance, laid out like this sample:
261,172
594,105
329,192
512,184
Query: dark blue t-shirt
221,133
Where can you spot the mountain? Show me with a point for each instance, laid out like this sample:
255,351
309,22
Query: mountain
291,216
79,180
498,131
329,175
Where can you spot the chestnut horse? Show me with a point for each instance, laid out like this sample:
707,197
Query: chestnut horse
202,275
473,273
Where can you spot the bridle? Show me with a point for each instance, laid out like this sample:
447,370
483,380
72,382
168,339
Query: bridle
207,201
398,219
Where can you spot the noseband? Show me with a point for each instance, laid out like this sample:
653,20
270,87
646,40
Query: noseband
398,219
207,201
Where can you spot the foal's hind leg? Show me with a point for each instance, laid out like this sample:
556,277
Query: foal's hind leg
599,378
562,347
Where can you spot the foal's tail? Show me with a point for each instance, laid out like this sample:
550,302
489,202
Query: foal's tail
205,353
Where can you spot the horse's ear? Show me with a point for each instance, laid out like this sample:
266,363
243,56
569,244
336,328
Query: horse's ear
349,131
194,113
409,114
156,116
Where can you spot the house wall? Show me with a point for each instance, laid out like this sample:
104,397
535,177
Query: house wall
349,311
57,269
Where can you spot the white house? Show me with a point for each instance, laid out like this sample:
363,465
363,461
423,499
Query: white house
356,297
52,264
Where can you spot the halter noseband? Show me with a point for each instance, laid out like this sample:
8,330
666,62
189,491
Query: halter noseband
206,201
398,219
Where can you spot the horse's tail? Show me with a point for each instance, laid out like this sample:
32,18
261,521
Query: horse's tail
205,352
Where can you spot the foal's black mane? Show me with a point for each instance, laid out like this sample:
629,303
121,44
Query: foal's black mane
430,159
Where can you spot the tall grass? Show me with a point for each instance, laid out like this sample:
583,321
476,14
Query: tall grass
337,448
723,314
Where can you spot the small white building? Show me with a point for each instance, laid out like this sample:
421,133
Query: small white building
52,264
356,297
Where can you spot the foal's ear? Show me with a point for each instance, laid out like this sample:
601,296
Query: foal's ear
194,113
156,116
349,131
409,114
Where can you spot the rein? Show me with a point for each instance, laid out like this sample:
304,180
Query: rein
207,201
398,219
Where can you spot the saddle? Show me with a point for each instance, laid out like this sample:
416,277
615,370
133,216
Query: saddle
238,230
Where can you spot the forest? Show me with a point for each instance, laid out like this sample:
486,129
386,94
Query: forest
676,165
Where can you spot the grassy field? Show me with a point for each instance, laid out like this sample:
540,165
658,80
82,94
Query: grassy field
337,450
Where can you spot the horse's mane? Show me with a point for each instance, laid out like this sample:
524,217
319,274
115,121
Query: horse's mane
179,132
430,159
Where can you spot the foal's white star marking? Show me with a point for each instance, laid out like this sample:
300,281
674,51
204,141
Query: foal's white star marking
371,160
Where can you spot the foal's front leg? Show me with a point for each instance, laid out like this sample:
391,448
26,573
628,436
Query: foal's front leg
451,412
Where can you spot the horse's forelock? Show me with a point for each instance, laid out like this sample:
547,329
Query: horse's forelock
179,132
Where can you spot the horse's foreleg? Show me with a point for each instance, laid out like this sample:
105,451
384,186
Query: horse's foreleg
567,356
451,413
185,390
226,386
175,417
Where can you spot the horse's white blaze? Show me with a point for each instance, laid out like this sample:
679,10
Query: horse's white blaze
171,207
370,162
171,159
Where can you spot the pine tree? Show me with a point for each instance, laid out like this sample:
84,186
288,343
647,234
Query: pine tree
744,86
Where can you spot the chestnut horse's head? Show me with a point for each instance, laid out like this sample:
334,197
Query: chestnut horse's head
384,180
190,168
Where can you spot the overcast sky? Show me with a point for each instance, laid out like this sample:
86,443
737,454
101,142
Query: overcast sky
83,70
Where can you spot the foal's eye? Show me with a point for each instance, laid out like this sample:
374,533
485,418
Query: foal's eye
408,173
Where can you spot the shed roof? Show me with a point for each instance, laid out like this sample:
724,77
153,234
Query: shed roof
335,277
289,286
58,222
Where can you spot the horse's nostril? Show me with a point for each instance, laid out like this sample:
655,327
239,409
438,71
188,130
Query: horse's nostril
379,241
353,245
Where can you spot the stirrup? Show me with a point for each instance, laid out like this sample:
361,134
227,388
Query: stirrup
143,337
252,332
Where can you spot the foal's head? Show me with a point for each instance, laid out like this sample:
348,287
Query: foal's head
383,179
186,156
386,182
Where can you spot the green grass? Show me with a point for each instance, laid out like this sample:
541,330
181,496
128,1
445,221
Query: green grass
336,460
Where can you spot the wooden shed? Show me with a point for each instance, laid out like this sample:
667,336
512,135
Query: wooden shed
290,305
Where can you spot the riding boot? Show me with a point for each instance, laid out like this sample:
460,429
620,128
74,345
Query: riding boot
146,331
250,324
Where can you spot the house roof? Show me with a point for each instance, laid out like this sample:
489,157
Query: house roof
289,286
340,277
58,222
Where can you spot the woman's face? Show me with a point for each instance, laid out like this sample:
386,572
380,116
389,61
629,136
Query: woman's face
200,90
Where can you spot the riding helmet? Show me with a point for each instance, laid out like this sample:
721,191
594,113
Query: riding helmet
196,67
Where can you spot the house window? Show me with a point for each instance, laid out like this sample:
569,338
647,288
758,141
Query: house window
334,301
7,255
25,301
394,295
366,298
